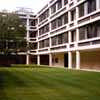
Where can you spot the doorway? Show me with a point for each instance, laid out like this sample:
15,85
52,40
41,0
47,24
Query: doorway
66,60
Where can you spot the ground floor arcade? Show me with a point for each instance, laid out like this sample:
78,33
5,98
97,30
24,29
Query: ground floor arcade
86,59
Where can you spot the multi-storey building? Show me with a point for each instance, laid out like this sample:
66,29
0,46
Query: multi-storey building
30,21
66,33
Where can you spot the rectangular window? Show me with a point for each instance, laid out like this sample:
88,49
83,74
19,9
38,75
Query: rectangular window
73,15
53,9
46,43
91,30
44,29
91,5
65,37
59,20
81,10
54,40
60,39
53,24
98,29
65,18
59,4
44,15
73,36
65,2
82,33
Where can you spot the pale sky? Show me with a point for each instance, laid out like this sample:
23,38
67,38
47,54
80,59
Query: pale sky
11,5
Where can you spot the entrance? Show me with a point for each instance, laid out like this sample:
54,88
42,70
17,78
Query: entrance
44,59
66,60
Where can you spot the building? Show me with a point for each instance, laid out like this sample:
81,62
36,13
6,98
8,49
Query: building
30,21
65,33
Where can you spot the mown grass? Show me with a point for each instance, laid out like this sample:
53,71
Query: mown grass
48,84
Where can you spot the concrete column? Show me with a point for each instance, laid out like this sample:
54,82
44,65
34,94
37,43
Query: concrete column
77,15
77,12
69,17
56,7
38,59
27,59
86,8
69,37
62,3
50,59
77,36
27,28
77,60
97,4
70,60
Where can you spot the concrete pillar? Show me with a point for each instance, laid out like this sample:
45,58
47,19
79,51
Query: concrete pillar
70,60
69,37
69,17
27,28
50,59
77,60
27,59
77,36
62,3
38,59
86,8
77,12
77,15
97,4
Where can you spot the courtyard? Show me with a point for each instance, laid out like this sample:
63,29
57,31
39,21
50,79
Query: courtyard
48,84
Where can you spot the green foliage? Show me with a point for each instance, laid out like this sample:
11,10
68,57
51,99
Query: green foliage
12,32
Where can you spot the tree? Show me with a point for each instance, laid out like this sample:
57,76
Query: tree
12,33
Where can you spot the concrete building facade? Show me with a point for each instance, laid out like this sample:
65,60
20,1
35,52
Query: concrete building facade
65,33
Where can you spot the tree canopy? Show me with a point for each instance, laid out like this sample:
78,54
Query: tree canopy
12,33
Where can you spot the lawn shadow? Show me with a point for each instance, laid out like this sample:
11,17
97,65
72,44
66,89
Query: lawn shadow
9,80
2,85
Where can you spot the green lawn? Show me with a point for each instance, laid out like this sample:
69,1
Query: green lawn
48,84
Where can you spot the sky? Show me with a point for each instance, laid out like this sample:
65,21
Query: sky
11,5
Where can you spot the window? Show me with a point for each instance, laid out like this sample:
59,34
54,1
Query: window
73,36
65,18
59,4
82,33
44,15
65,2
33,34
81,10
53,9
60,39
59,21
44,29
54,24
98,29
47,43
32,46
65,37
54,40
73,15
91,5
91,30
